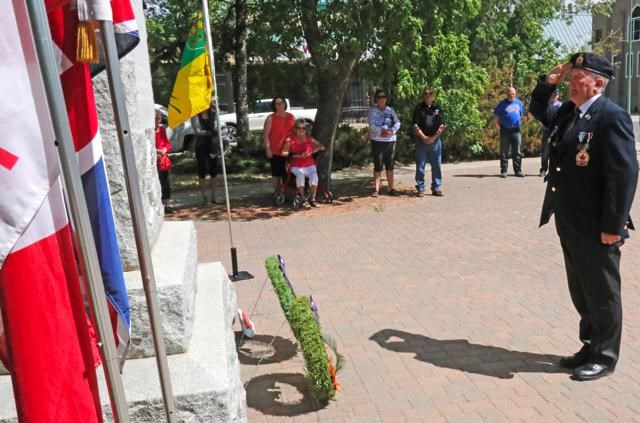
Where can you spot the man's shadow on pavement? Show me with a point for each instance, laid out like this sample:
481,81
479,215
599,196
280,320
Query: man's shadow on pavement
460,354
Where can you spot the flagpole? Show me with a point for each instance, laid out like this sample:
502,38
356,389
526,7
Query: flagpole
235,274
77,204
137,213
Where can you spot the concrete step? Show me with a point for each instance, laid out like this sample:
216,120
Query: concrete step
174,259
206,379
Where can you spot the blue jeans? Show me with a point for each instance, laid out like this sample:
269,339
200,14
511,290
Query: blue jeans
432,154
513,140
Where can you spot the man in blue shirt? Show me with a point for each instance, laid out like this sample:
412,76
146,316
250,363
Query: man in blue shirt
508,114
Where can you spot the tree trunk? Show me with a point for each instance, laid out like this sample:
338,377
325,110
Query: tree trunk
331,90
240,69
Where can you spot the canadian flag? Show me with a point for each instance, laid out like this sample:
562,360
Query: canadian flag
45,335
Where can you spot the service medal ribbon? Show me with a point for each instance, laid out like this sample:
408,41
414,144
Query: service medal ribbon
584,137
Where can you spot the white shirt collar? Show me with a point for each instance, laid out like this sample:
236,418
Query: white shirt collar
584,107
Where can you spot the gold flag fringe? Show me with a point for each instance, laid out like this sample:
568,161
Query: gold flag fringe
87,47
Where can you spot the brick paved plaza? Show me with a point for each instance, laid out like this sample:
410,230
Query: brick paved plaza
446,309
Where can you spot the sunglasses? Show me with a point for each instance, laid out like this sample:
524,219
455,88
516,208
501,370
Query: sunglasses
300,128
380,96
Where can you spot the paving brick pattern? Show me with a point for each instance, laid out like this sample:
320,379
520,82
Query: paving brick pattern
446,309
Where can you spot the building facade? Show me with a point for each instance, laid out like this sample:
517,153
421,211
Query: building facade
625,21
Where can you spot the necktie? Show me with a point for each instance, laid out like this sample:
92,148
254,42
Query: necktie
574,119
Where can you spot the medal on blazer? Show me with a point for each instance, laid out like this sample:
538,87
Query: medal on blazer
582,158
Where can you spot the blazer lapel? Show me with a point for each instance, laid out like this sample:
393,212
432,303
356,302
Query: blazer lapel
583,124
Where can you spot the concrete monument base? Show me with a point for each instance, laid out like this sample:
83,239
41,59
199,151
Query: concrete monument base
206,379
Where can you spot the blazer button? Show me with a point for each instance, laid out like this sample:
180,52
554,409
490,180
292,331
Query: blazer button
553,189
558,169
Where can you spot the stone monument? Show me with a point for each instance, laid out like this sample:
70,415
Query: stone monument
197,302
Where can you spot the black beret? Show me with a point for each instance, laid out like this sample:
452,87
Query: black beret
594,63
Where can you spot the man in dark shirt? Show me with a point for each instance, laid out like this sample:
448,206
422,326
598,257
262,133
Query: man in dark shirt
428,123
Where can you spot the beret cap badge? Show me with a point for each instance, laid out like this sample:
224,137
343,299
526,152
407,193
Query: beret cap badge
593,63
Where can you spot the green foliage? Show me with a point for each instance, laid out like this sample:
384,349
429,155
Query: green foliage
352,148
280,285
306,329
248,156
468,50
307,332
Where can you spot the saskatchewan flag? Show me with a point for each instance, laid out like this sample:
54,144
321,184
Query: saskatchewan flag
192,89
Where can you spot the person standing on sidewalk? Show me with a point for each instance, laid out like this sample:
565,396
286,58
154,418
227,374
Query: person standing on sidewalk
163,162
544,143
277,127
428,123
205,131
508,114
593,173
383,126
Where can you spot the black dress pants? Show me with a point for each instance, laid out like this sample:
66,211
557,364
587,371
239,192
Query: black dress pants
593,274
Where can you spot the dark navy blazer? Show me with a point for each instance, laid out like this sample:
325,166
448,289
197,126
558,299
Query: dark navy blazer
588,200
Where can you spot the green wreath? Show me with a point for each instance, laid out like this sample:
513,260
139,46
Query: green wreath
320,370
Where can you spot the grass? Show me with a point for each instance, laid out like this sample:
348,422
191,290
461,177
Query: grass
184,171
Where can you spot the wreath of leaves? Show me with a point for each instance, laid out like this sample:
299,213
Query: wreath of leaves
306,329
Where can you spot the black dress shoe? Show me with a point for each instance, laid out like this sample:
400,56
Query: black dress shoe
573,361
591,371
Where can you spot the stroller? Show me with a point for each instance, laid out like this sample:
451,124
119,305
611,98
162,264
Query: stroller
288,191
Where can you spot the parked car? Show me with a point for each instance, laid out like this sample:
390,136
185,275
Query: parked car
181,137
259,111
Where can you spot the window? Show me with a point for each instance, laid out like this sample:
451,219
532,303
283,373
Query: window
628,65
635,24
598,37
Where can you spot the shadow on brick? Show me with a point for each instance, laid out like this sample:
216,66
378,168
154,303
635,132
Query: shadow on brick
460,354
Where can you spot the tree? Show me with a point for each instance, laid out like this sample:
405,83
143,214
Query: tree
240,69
338,35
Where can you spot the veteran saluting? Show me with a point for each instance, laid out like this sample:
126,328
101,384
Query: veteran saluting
591,183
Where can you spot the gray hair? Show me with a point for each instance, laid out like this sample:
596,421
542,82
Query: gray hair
605,79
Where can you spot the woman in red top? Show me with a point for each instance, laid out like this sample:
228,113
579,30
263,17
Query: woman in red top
163,146
301,147
277,127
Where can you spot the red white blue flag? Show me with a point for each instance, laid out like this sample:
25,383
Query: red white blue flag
79,100
45,337
125,29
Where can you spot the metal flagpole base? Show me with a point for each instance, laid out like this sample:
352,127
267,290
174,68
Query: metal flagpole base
237,276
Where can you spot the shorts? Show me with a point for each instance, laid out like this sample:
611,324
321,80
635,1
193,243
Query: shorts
301,173
383,154
278,166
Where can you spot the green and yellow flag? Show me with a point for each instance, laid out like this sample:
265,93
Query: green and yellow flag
192,89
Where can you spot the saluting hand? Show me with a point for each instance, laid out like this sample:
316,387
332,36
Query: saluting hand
609,239
557,74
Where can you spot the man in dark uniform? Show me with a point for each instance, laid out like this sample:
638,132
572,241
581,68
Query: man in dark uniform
593,172
428,123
